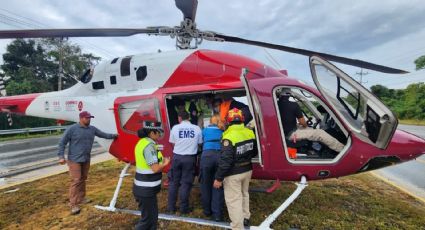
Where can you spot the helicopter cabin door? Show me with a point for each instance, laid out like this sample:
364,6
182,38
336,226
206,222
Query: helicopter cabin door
366,116
253,106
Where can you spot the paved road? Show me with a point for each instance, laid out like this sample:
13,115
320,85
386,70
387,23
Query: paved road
31,159
409,176
19,154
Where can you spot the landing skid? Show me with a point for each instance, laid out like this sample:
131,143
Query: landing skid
269,220
264,225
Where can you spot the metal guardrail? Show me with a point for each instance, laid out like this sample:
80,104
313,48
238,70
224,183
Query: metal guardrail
32,130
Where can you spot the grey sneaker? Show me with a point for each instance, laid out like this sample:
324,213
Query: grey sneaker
75,210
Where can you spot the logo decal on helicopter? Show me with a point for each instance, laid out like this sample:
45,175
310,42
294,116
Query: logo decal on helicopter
71,105
80,106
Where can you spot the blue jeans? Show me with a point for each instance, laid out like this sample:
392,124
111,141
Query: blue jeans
212,198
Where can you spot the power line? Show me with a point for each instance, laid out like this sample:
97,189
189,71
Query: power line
38,24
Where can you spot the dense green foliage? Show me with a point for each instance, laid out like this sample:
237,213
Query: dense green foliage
420,63
33,65
407,103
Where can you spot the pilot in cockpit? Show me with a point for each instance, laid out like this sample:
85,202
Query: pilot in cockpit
290,112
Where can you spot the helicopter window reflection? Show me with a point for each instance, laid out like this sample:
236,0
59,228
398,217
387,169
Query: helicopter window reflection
98,85
113,80
132,114
141,73
87,76
324,142
125,66
114,60
346,99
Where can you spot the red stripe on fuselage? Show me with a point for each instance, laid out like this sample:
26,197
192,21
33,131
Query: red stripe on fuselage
212,67
17,104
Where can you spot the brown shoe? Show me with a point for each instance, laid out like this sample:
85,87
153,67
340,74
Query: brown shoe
75,210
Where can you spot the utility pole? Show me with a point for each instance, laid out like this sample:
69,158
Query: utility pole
361,74
60,77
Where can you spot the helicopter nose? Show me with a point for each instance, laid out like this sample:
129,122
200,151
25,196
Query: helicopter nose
406,146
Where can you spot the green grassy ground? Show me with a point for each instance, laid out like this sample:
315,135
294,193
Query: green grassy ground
412,122
355,202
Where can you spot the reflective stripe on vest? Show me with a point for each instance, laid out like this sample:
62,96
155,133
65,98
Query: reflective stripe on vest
238,133
142,166
147,183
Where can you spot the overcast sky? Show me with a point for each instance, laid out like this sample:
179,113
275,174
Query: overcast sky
390,32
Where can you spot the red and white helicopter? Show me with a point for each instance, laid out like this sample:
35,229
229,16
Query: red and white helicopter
124,91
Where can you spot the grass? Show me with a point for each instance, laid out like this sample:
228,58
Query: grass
412,122
355,202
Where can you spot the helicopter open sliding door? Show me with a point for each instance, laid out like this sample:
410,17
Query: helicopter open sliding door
254,108
366,116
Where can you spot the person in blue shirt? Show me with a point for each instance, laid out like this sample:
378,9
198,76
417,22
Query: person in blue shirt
212,199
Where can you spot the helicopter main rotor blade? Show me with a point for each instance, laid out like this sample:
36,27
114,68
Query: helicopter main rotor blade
188,8
40,33
330,57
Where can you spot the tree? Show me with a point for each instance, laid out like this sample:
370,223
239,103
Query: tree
75,63
26,64
407,103
380,91
420,63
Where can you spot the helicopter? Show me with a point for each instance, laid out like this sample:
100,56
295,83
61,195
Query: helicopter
123,92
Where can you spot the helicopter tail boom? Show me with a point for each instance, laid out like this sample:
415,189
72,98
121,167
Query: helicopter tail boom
17,104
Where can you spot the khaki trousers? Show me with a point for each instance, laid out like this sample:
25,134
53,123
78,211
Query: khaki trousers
237,198
78,173
317,135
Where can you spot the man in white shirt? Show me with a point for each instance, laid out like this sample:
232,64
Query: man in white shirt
185,137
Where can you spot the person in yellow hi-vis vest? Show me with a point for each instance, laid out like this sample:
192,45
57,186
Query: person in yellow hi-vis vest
147,181
234,170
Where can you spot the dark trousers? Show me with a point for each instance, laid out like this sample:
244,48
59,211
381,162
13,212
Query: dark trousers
181,180
148,207
212,198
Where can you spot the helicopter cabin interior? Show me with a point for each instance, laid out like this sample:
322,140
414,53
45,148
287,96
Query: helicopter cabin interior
204,103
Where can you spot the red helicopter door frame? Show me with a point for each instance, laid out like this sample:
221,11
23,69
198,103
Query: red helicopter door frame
255,109
365,115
